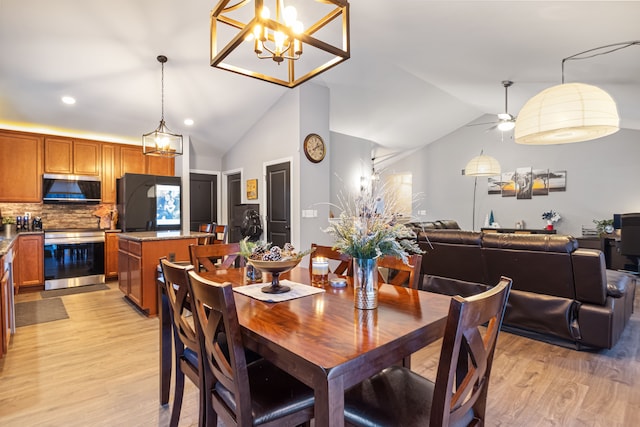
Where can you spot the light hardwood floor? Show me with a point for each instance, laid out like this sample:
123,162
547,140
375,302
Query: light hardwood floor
100,368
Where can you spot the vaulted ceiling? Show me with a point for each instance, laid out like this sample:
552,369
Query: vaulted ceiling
418,69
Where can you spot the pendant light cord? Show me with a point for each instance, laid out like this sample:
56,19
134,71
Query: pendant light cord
611,48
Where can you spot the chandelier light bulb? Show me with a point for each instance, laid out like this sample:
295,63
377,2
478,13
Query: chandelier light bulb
265,13
289,14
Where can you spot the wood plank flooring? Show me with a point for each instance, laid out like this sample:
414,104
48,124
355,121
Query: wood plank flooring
100,368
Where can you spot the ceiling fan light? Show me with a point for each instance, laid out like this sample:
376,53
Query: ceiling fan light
482,165
571,112
506,125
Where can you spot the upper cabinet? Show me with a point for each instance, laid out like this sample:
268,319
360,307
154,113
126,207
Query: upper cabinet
20,167
70,156
24,157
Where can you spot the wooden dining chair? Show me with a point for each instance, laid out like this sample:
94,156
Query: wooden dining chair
206,228
220,234
399,397
401,274
241,394
212,257
345,265
185,340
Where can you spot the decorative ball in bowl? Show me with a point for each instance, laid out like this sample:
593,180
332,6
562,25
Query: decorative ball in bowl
275,268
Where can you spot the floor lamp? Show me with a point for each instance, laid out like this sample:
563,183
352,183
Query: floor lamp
481,165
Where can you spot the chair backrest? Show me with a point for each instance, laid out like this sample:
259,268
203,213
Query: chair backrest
206,228
207,256
400,272
344,267
176,284
467,353
220,234
215,311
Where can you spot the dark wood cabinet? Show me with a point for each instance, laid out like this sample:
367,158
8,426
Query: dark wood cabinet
30,261
20,167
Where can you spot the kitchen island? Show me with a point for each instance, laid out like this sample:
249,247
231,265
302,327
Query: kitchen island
138,259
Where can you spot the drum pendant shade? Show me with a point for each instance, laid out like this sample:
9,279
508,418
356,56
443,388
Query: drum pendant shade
571,112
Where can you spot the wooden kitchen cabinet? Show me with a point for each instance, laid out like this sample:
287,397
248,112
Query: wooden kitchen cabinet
157,165
20,167
111,254
110,171
138,260
30,261
69,156
132,160
5,310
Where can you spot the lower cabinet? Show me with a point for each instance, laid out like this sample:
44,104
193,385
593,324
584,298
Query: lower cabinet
138,261
111,254
5,308
30,262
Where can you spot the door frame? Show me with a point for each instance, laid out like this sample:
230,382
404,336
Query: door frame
294,184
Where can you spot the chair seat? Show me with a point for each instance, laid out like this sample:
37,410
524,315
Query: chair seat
368,404
269,385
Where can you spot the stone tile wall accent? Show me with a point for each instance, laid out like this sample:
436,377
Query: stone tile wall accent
56,216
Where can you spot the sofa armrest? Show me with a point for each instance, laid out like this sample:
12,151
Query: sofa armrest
589,276
617,283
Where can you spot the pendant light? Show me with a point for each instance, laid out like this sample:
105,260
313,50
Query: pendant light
570,112
162,142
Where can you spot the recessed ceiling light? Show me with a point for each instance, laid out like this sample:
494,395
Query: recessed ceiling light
188,122
69,100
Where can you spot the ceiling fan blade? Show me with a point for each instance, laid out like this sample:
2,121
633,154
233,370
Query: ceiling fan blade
482,124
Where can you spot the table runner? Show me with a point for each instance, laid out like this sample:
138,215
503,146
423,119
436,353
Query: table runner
298,290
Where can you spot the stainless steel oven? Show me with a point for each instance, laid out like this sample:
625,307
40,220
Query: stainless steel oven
73,258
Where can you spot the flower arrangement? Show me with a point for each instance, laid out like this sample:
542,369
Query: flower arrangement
551,216
367,227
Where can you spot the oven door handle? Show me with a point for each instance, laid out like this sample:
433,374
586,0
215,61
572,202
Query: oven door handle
72,241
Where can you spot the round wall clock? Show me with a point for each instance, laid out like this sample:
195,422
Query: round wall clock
314,148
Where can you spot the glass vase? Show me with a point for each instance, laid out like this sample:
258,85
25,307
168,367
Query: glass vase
365,283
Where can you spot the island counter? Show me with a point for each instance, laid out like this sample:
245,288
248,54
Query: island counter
138,259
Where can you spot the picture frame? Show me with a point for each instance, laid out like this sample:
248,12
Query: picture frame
252,189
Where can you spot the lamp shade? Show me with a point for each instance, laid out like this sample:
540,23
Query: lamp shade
571,112
482,165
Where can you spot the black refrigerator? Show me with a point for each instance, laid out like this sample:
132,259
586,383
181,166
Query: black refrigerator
149,202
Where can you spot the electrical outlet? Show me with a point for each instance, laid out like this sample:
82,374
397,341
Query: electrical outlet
172,256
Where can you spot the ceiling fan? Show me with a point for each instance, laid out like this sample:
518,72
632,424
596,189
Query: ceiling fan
505,120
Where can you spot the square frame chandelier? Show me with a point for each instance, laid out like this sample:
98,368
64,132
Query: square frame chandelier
304,50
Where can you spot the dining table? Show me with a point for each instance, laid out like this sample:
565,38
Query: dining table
322,339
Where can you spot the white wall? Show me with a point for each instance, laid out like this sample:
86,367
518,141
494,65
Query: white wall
350,160
278,136
602,179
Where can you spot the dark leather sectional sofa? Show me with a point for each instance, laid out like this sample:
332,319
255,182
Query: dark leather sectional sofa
561,293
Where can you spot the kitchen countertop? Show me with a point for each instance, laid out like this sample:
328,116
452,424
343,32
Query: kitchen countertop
144,236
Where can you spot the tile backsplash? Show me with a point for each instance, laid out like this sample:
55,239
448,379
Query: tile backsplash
55,216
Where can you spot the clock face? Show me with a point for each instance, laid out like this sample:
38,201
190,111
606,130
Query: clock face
314,148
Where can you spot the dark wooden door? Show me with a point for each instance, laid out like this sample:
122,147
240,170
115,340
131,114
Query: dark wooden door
234,198
279,204
204,199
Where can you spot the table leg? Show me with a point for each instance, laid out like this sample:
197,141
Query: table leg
329,404
165,344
